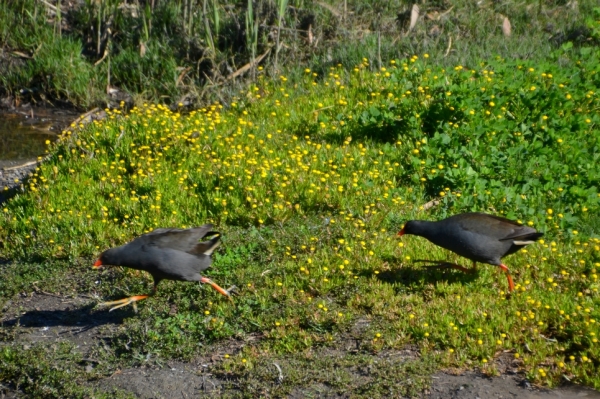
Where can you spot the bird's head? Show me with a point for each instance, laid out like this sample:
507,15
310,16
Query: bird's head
107,258
410,227
100,262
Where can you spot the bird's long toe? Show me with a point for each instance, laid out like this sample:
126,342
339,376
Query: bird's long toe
124,302
232,290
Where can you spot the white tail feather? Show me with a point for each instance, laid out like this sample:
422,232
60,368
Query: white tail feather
516,242
210,250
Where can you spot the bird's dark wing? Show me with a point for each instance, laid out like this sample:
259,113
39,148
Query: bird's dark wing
493,226
499,219
187,240
499,228
524,236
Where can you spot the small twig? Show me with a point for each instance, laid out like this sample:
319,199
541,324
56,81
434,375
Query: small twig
20,54
182,75
331,9
449,46
103,57
120,137
115,373
249,65
431,204
22,165
321,109
280,376
38,291
204,383
548,339
445,12
50,6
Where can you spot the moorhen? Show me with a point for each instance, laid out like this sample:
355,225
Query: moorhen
476,236
169,253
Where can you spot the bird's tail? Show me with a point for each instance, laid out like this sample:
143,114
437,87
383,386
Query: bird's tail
527,239
207,247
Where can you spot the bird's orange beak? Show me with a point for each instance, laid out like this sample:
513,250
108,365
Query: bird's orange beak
98,264
401,233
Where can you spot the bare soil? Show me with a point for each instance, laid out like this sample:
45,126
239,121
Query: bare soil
48,318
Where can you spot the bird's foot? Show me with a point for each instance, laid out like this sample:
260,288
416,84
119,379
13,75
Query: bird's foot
233,290
221,290
124,302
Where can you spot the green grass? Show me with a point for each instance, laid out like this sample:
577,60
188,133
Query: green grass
47,372
510,137
173,53
55,68
309,183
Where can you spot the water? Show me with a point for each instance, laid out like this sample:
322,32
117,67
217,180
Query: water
23,135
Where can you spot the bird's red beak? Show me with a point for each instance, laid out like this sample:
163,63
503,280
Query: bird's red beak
401,233
98,264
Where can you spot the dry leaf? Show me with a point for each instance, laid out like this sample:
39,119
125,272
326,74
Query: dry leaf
574,5
142,49
20,54
435,31
433,16
446,12
330,8
414,16
506,27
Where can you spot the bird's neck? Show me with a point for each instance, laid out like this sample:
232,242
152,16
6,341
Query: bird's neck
425,229
118,256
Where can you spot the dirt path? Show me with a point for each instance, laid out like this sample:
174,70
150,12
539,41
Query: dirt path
49,319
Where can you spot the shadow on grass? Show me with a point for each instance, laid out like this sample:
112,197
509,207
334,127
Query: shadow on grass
421,273
84,318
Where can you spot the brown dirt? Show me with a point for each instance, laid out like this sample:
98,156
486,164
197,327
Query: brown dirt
472,385
48,318
180,380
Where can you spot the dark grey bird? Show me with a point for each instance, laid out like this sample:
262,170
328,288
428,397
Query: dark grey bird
167,254
476,236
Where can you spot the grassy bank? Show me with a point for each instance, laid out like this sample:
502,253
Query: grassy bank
309,181
191,52
512,137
